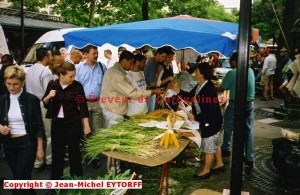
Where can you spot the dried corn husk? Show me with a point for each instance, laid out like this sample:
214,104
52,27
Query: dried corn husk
169,138
177,80
157,115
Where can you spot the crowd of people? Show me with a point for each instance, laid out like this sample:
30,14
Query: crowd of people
63,98
272,71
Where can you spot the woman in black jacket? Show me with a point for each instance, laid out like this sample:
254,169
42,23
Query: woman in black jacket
21,126
207,112
67,107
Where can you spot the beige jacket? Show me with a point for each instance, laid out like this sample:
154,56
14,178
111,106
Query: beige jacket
117,91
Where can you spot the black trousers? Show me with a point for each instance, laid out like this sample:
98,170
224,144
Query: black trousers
20,153
62,135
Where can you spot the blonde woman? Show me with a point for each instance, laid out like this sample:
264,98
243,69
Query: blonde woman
21,124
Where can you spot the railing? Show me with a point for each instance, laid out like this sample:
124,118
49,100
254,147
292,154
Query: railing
33,15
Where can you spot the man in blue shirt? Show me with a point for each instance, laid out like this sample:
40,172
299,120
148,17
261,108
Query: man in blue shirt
151,73
90,74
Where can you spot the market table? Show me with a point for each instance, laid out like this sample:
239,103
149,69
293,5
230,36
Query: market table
164,156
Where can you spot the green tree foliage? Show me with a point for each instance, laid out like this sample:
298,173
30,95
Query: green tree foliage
30,5
263,17
218,13
89,13
76,11
121,11
202,9
194,8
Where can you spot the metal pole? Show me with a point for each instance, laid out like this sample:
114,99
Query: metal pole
22,28
283,34
239,131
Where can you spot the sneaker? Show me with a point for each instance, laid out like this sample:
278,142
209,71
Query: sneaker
248,167
39,169
248,163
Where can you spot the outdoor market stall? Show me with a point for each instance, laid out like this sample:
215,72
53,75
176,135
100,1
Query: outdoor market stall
180,32
141,140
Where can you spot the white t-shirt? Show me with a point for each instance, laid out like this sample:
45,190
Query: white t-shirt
15,118
111,62
138,81
61,110
175,67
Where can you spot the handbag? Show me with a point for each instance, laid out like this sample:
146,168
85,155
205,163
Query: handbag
286,157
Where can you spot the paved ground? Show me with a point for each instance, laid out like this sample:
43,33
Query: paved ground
263,134
264,181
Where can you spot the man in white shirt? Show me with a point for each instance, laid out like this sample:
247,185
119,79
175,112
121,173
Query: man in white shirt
137,78
268,72
110,60
37,78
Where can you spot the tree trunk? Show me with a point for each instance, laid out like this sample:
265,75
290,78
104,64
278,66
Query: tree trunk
291,14
145,10
92,12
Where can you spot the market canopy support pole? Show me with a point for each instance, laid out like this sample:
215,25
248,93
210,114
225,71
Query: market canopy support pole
239,130
22,28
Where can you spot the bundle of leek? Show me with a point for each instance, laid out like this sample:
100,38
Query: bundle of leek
126,137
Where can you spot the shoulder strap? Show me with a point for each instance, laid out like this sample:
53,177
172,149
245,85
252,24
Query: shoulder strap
100,64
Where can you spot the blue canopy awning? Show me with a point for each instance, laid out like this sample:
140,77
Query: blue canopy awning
180,32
